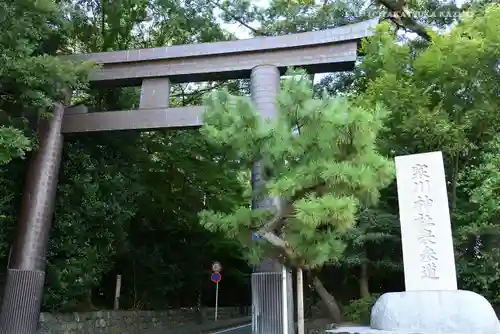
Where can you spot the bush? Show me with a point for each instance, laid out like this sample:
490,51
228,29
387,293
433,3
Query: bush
358,310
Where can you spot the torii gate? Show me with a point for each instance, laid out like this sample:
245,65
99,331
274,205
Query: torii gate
262,59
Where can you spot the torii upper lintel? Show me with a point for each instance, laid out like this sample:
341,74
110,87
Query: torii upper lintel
329,50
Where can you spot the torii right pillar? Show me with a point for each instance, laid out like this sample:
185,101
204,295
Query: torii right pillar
272,294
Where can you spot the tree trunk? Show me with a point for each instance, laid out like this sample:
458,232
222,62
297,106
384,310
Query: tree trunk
84,304
454,183
330,303
364,289
201,314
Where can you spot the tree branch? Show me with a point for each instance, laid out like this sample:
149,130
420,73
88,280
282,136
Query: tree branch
318,188
285,208
196,94
237,19
284,211
285,249
401,18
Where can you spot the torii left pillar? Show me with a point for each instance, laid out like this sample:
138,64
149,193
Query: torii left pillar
21,303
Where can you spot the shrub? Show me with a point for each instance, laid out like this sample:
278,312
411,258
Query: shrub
358,310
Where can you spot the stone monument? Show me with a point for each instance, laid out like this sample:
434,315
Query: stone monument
429,261
431,304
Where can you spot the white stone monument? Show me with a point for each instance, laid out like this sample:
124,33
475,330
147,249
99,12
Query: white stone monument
431,303
429,261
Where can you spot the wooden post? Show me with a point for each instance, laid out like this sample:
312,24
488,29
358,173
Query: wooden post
285,301
117,291
300,302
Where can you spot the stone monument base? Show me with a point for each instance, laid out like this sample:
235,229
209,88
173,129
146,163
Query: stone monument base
368,330
430,312
365,330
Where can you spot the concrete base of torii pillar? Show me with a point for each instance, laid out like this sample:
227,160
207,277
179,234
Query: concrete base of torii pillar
429,312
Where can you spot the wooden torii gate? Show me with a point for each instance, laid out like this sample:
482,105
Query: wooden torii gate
262,59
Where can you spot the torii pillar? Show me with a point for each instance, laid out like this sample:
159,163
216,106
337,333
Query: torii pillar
270,281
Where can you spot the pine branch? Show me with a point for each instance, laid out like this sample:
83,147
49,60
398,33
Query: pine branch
277,242
318,189
285,209
285,249
279,219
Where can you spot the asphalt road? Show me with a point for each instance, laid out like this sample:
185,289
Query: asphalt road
244,329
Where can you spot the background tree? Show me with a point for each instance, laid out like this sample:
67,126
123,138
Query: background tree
29,79
478,233
442,99
368,247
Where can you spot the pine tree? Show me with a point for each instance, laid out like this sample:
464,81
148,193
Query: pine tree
323,164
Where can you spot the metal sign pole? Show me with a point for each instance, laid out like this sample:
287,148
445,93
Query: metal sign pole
216,277
216,299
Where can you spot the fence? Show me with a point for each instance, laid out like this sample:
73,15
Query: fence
267,307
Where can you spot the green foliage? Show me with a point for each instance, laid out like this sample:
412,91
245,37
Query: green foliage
374,241
11,181
13,144
94,207
30,76
325,171
130,24
478,233
444,96
441,97
358,311
483,186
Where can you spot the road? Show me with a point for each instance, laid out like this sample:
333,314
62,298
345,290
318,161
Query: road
244,329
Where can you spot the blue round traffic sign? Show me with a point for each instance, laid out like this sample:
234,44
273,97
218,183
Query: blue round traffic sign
216,277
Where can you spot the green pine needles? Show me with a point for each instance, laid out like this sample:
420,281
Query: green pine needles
324,165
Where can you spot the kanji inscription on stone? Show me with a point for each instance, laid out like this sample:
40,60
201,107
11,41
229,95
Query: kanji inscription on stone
428,256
